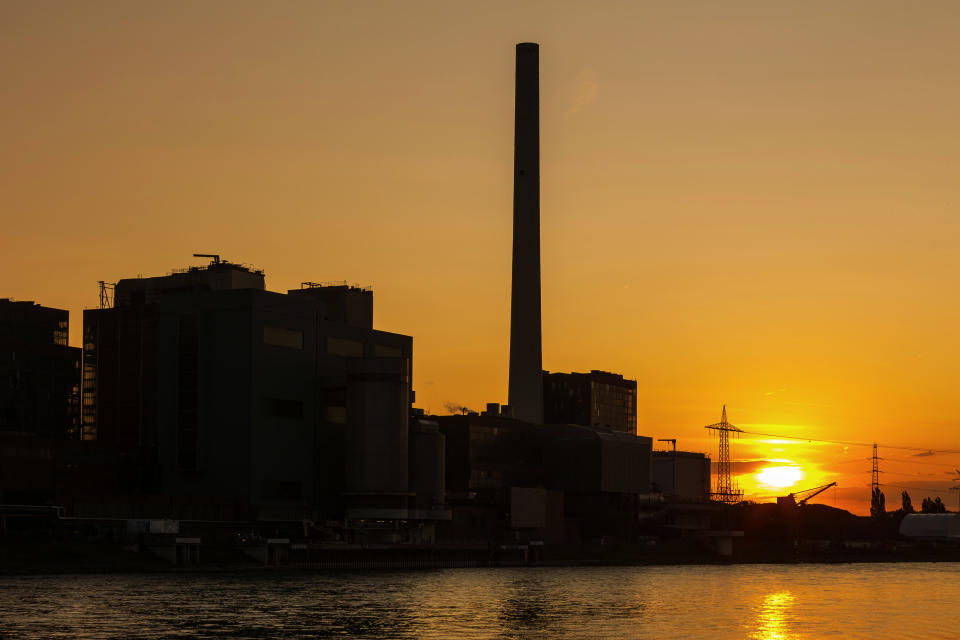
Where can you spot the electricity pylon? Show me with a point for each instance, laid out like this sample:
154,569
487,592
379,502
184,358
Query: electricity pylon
877,502
726,491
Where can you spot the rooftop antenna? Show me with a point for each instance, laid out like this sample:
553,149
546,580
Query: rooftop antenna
215,257
726,491
106,294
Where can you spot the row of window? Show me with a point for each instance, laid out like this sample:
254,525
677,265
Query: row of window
344,347
293,409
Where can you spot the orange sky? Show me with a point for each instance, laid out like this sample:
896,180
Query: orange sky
748,203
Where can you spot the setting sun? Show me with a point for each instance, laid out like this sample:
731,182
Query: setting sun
780,476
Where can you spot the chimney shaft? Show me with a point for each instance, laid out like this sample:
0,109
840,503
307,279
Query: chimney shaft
526,386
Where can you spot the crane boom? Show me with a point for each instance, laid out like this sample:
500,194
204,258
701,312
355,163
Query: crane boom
790,499
816,491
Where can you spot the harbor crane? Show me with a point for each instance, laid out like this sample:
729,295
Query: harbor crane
673,441
790,500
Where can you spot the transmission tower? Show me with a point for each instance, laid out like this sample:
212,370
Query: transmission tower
726,491
877,506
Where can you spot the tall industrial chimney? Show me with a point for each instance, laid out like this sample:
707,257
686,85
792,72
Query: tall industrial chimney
526,385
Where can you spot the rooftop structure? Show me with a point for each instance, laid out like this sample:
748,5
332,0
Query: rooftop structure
597,399
27,321
216,276
341,302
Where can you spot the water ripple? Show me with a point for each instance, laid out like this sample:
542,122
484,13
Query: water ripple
765,602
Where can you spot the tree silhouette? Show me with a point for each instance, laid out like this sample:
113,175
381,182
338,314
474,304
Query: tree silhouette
934,505
907,503
878,503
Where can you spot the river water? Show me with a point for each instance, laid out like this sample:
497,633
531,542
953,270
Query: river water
873,601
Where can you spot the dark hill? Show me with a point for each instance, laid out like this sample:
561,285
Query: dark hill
811,521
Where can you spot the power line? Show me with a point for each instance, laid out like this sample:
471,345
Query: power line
898,486
773,435
836,462
921,461
909,475
849,443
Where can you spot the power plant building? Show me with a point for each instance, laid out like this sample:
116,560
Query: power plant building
39,373
510,480
256,404
596,399
39,405
682,476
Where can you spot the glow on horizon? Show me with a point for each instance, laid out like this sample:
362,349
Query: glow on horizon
780,477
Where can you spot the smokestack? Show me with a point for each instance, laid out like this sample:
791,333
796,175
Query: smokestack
526,386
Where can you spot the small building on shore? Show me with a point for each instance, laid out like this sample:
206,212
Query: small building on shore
931,526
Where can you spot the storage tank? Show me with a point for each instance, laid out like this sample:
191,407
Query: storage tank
931,526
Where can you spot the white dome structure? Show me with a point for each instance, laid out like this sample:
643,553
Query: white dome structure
931,526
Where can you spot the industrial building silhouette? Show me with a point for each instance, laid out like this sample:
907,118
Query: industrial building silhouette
39,391
208,400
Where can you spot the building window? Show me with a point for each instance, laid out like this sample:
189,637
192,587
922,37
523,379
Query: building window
278,337
60,334
385,351
283,408
344,347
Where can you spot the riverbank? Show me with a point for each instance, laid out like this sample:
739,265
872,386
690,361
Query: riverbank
51,558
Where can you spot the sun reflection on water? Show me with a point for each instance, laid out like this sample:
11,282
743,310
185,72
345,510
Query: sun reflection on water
772,617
